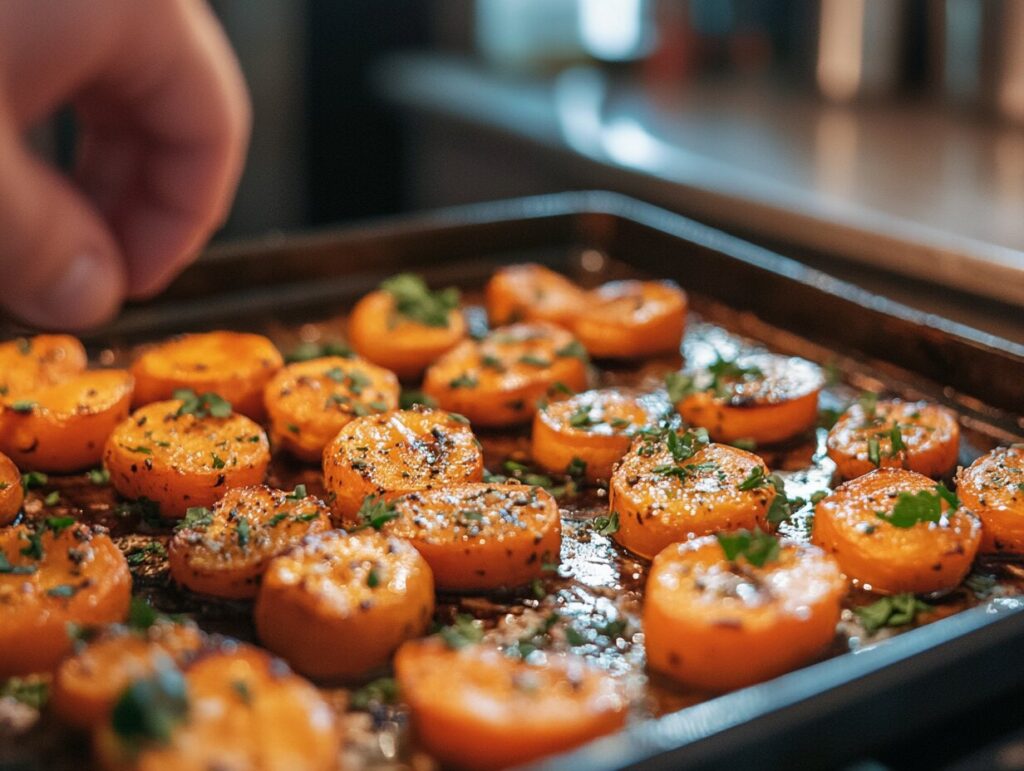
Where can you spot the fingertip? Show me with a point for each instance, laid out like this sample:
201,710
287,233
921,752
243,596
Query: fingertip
86,293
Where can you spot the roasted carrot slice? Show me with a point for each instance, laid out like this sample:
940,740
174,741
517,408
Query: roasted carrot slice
872,434
993,488
234,365
478,708
404,326
479,537
310,401
237,709
594,428
11,492
896,531
51,574
633,319
224,551
339,605
498,381
716,623
531,292
398,451
30,363
86,685
64,426
670,488
181,454
764,398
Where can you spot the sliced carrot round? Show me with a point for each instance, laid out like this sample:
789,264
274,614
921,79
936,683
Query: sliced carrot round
181,459
309,402
498,381
593,427
30,363
404,326
717,624
919,436
225,551
339,605
234,365
86,685
398,451
888,551
11,492
241,709
993,488
633,319
54,574
480,537
660,500
531,292
64,426
763,397
478,708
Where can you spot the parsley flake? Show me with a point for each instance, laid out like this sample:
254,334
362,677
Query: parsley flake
755,546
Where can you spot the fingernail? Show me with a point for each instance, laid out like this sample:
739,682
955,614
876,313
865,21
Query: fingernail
86,293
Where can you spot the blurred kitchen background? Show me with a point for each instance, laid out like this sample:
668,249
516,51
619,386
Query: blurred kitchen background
868,137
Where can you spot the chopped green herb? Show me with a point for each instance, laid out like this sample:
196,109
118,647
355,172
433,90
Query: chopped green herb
574,637
415,301
52,498
982,584
141,615
606,525
581,417
149,709
33,479
243,531
16,570
383,690
896,437
465,631
217,461
99,476
375,512
756,478
923,506
139,554
577,468
34,550
491,362
59,524
874,451
207,405
896,610
537,589
241,688
869,404
534,361
33,692
196,518
679,386
408,398
373,578
465,380
745,444
24,346
140,449
22,406
297,494
275,520
828,417
307,351
782,506
62,590
756,546
574,349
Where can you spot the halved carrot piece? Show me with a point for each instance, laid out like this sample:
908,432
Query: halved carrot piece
531,292
404,326
310,401
993,488
478,708
87,684
632,320
234,365
716,624
180,455
595,428
890,433
11,492
480,537
236,709
64,426
51,574
666,491
875,527
30,363
764,398
338,605
498,381
224,551
398,451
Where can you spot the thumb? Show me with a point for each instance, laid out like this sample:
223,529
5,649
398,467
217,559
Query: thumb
60,267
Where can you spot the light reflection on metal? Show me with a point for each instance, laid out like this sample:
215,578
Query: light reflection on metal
614,30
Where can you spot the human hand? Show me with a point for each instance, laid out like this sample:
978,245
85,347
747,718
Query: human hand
163,121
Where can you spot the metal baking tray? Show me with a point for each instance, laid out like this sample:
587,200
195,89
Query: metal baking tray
820,715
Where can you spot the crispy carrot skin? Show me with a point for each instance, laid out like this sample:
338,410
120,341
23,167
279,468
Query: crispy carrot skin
181,460
404,346
28,364
930,433
11,492
925,557
64,426
58,575
234,365
658,505
531,292
309,402
338,605
227,555
775,399
245,710
477,708
716,625
595,427
633,319
498,381
399,451
993,488
481,537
